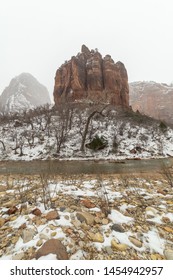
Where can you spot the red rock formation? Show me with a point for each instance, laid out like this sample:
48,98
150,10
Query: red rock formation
152,99
89,76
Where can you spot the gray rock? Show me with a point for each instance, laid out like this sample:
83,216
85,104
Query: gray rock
168,253
18,256
109,250
118,228
135,241
27,235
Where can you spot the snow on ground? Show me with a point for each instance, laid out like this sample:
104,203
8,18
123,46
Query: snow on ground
39,138
139,228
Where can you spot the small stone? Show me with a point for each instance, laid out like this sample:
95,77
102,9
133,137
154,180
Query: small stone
155,257
36,220
43,236
18,256
118,246
53,199
169,202
23,226
36,212
39,243
69,231
13,218
91,235
53,234
85,217
165,220
117,227
85,227
66,217
104,221
135,241
161,192
98,237
52,227
53,246
14,239
76,223
109,250
2,222
87,203
168,229
27,235
12,210
72,216
81,244
52,215
168,253
97,220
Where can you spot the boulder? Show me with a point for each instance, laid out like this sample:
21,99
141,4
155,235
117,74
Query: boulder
52,215
36,212
53,246
27,235
97,237
118,246
135,241
85,217
117,227
12,210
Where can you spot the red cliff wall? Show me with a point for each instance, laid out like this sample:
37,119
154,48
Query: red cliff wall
89,76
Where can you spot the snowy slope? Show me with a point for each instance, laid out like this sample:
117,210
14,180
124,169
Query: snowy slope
24,92
134,136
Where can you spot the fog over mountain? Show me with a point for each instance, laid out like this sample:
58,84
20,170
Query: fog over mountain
24,92
152,99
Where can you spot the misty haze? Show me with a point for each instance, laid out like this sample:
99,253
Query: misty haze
86,131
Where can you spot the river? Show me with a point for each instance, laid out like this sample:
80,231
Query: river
83,166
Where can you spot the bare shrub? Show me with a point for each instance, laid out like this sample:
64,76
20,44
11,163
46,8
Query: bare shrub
103,197
167,174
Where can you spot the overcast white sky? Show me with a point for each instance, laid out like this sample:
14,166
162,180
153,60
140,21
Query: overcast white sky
37,36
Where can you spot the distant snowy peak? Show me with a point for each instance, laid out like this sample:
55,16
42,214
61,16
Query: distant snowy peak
153,99
24,92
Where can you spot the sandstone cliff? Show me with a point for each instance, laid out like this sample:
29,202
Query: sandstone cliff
89,76
152,99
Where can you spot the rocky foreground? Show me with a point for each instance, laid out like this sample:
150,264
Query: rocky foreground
86,218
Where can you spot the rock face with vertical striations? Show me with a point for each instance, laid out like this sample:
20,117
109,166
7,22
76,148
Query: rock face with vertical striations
89,76
152,99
